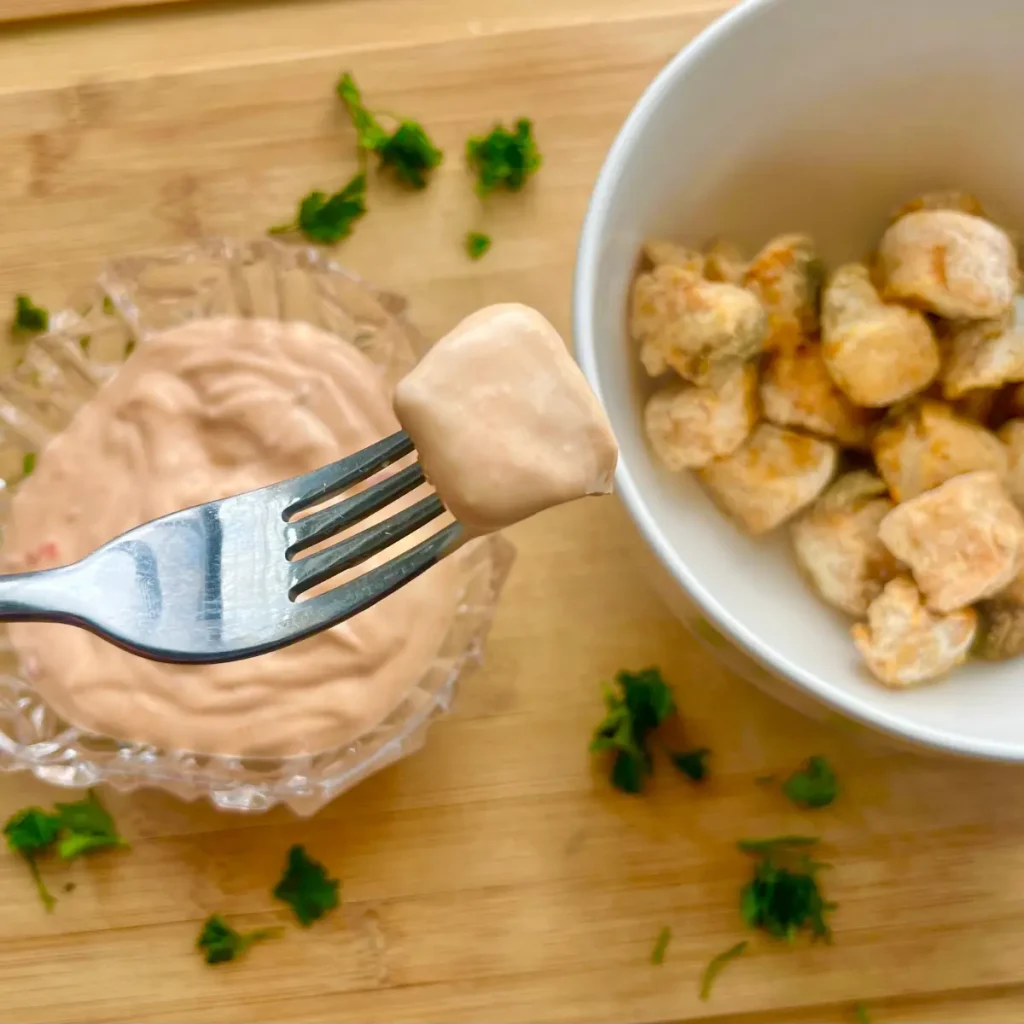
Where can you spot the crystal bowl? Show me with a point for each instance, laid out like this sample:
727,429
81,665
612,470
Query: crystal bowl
55,373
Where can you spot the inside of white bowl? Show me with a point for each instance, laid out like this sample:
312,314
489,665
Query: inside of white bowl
816,116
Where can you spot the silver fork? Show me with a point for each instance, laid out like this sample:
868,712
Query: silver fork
220,581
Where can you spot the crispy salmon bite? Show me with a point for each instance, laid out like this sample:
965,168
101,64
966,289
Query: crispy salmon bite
954,264
1001,624
904,644
982,354
661,253
876,352
797,391
837,546
928,444
770,478
963,541
948,199
701,329
786,276
689,426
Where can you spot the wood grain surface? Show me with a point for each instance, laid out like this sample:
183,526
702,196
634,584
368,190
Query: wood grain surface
23,10
493,877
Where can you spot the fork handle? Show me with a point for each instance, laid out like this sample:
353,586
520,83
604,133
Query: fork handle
47,595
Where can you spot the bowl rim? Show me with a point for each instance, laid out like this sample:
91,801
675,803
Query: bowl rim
658,93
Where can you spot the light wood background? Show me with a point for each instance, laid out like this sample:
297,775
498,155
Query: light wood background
493,877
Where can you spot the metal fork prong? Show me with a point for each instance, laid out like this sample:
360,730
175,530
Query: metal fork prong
326,522
359,594
308,572
323,484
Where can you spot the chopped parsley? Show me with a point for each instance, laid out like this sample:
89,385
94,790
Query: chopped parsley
861,1013
306,887
692,763
28,463
661,945
219,942
32,832
814,785
328,219
369,132
783,897
71,830
407,152
28,317
643,702
85,826
477,244
715,965
503,158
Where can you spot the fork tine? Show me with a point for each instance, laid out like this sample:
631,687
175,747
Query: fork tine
304,533
359,594
308,572
324,483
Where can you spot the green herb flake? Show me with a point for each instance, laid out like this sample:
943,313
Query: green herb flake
326,219
715,966
783,897
369,132
643,702
477,244
28,317
306,887
32,832
220,943
661,945
692,763
814,785
407,152
860,1011
503,158
86,826
28,463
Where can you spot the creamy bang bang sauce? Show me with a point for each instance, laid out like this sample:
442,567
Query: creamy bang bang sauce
201,412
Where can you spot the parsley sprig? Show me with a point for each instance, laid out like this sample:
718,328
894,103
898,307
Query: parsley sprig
504,158
783,897
220,943
306,887
641,704
812,786
477,244
407,151
70,830
28,317
328,219
716,965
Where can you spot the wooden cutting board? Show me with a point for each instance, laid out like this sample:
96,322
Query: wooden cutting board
494,876
22,10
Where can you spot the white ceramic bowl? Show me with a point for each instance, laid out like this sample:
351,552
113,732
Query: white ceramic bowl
818,116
